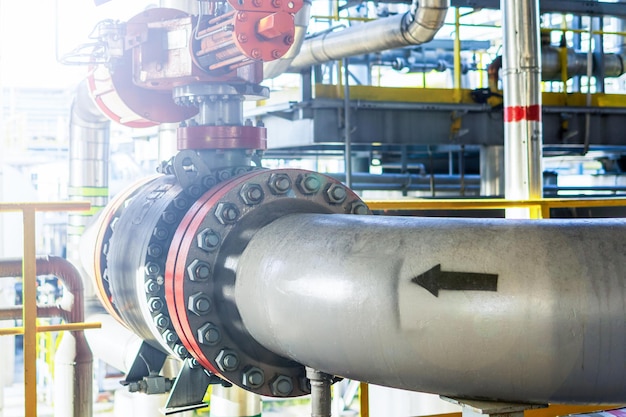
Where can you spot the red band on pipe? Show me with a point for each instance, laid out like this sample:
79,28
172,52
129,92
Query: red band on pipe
519,113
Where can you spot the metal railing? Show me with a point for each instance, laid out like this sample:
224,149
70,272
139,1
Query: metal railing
29,326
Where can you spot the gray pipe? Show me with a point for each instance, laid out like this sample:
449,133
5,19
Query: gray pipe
417,26
544,323
576,64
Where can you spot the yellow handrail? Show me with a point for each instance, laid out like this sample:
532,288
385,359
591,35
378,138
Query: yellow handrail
492,203
29,290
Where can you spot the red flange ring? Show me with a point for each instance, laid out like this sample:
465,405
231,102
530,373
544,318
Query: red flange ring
201,271
222,137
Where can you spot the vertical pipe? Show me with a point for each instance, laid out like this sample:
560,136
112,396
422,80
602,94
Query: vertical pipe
491,171
347,123
457,55
29,297
320,392
521,70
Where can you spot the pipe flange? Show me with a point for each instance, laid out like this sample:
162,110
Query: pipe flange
218,339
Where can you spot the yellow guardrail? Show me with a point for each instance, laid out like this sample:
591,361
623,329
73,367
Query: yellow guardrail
492,203
29,294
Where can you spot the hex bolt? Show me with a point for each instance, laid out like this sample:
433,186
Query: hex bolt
279,183
209,334
180,203
251,194
336,194
155,304
168,217
358,207
227,360
208,240
288,40
209,181
160,233
242,38
226,213
199,270
194,190
256,53
276,54
181,351
155,250
242,16
309,183
277,3
253,377
151,286
281,386
161,321
169,336
152,268
199,304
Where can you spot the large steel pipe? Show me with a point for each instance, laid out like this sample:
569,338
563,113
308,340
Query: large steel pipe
506,310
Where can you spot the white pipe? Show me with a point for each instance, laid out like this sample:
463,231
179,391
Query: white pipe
521,80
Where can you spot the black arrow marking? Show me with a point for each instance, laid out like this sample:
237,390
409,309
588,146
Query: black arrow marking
435,280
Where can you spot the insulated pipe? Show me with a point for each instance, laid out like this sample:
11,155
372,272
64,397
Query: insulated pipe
73,361
507,310
274,68
521,81
89,168
417,26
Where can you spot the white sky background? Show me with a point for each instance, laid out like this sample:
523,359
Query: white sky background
28,37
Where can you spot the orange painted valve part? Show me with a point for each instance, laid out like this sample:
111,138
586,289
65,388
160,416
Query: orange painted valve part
256,30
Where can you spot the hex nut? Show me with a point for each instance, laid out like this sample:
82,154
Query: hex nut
155,304
160,233
152,268
181,351
208,240
253,377
358,207
336,194
279,183
199,270
308,183
227,360
281,386
209,334
161,321
155,250
199,304
151,287
168,217
226,213
251,194
169,336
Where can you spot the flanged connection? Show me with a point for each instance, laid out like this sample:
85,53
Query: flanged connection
201,265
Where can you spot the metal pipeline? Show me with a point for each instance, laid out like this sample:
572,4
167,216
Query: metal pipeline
417,26
89,168
614,65
73,370
521,81
475,308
